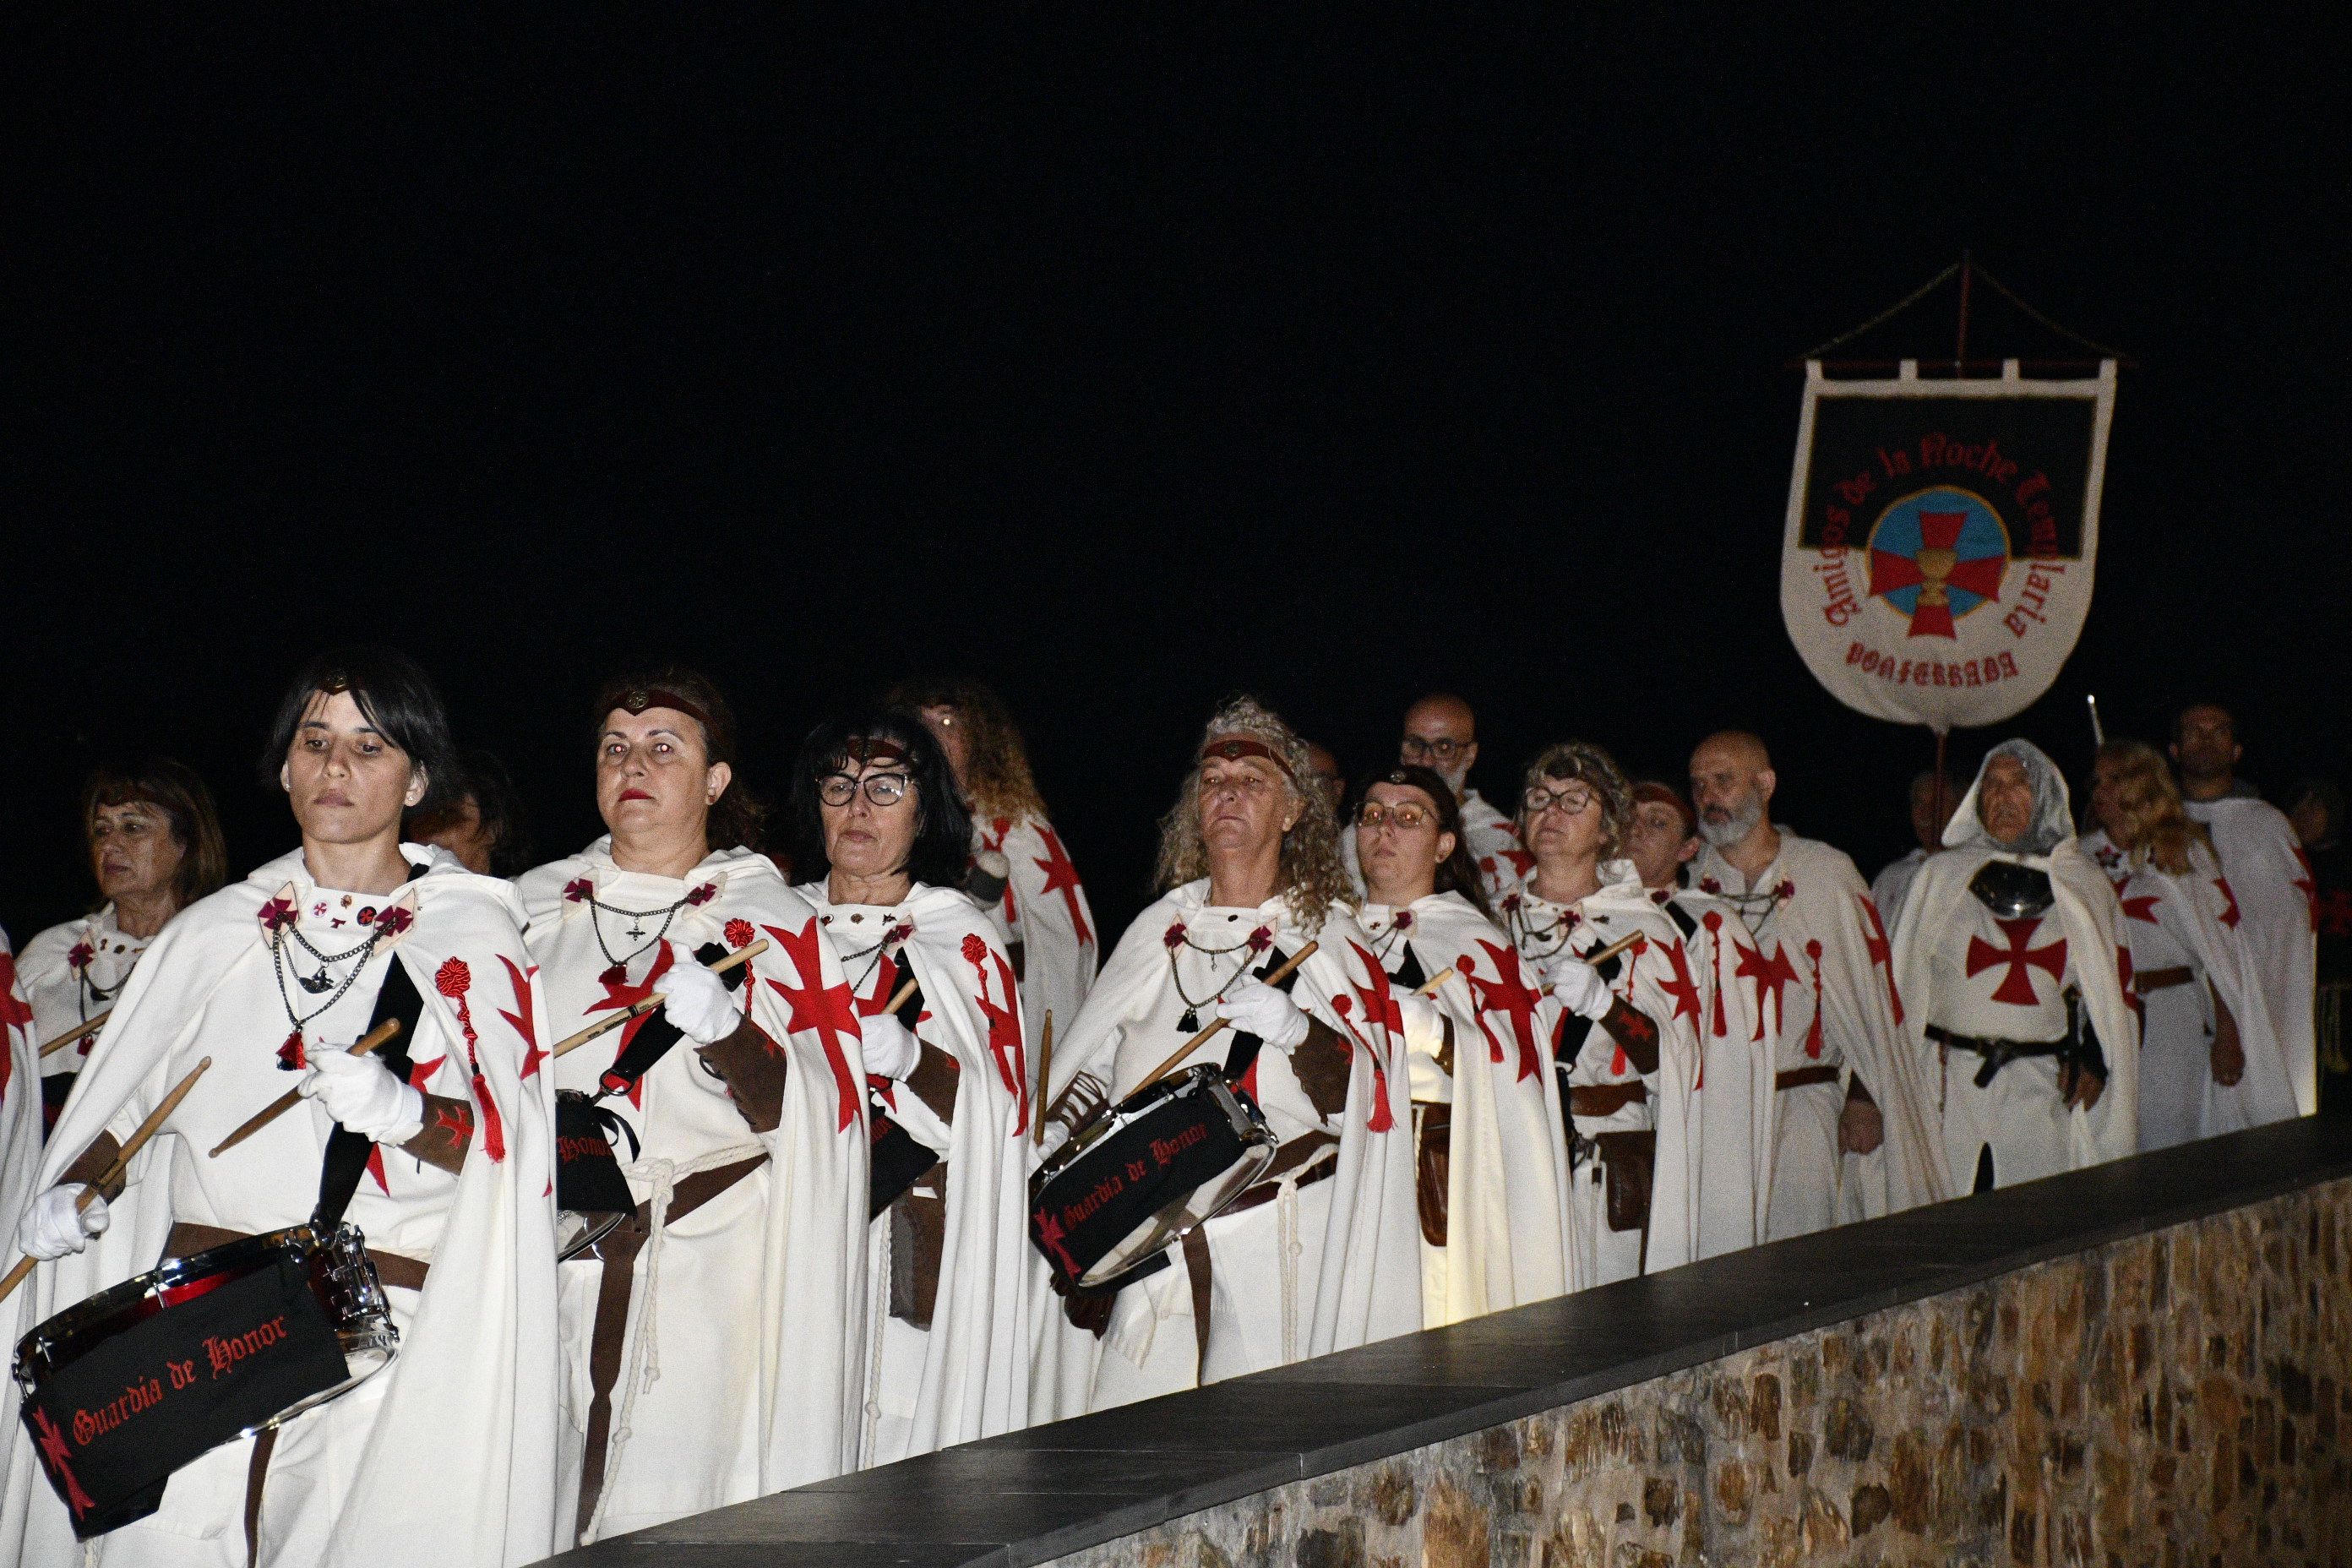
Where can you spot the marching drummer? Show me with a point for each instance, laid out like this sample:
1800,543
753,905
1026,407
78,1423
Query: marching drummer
1491,1171
156,848
436,1147
1250,866
744,1153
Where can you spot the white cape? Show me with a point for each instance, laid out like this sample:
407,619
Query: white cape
757,1299
20,1095
477,1353
968,1376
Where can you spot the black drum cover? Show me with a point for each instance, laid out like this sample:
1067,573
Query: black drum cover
232,1353
588,1177
1169,1150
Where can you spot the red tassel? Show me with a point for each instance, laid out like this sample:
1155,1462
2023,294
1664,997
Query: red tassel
494,1137
1814,1035
1715,964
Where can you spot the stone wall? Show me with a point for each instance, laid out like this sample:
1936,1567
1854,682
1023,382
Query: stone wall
2183,1398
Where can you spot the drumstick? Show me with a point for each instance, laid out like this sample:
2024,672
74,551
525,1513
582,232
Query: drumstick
900,999
373,1039
115,1167
1429,986
606,1025
87,1026
1211,1033
1044,1080
1614,948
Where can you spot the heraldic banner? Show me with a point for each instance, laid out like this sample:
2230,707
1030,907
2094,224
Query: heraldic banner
1940,538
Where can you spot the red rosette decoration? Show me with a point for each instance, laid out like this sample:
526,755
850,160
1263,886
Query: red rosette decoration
1510,903
738,933
453,978
579,890
290,1057
1405,920
1261,939
975,952
702,895
1174,937
77,958
277,914
1787,890
1710,885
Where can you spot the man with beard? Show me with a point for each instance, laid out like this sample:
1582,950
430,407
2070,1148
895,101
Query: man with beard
1731,1174
1814,954
1440,734
2013,969
2266,870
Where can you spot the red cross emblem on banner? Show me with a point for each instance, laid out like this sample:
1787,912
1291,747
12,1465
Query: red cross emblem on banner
2016,986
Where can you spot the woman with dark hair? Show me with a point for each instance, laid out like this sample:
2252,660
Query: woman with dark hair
879,826
2210,1058
1491,1158
436,1150
1042,907
154,848
1627,1046
744,1158
482,822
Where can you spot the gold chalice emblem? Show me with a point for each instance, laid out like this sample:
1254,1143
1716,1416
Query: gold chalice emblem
1935,563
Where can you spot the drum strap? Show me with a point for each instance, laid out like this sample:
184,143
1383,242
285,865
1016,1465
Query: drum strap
1245,1047
656,1035
347,1152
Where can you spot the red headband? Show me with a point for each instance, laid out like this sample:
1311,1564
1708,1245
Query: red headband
637,699
1664,794
1233,748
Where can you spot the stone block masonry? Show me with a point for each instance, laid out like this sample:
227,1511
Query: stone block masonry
2182,1397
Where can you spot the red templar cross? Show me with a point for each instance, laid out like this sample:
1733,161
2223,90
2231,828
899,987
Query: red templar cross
1062,877
2016,986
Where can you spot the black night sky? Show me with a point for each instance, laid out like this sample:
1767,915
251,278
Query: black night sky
1121,360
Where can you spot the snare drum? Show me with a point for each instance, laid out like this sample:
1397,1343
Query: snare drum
141,1379
1159,1164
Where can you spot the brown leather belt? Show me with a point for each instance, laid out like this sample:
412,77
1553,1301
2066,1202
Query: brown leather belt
618,1249
2149,980
1195,1245
1799,1078
1598,1100
187,1238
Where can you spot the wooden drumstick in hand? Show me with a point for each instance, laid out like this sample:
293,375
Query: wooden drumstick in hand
1218,1025
115,1167
374,1039
602,1027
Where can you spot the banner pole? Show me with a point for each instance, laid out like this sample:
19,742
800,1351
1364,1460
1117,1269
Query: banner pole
1943,806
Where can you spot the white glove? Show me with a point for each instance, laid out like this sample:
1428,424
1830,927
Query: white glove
891,1048
698,1002
1052,1138
51,1229
363,1094
1579,987
1257,1008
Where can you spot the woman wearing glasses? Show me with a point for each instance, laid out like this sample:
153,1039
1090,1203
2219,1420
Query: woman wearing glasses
745,1153
1492,1159
1627,1047
878,821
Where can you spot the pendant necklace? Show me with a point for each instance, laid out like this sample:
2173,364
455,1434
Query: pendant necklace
617,971
290,1054
1258,943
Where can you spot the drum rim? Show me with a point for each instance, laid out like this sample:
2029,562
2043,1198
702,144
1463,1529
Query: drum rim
39,1345
1263,1154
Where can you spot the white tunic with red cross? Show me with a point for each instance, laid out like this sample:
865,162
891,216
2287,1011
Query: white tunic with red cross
71,974
1046,919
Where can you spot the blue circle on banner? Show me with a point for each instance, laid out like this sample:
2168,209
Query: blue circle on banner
1936,554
